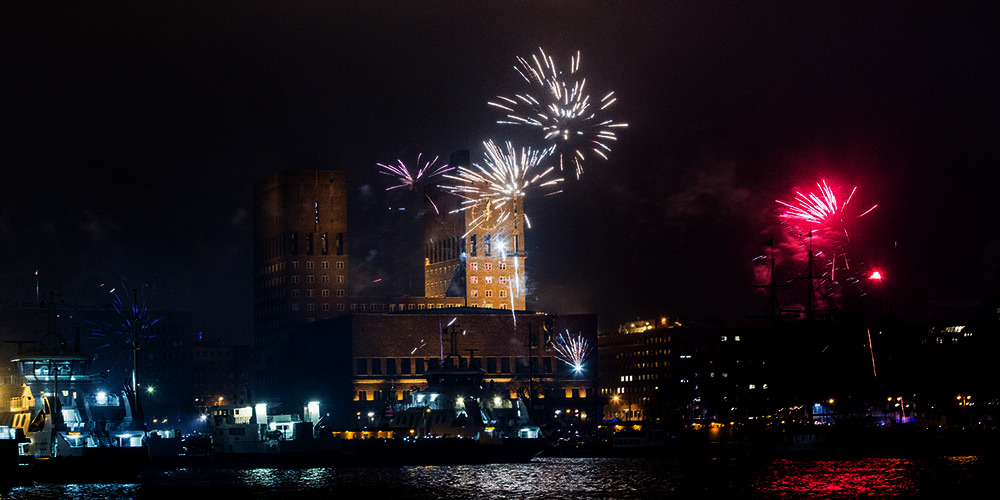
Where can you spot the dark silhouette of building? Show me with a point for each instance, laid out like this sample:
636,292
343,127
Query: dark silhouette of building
300,263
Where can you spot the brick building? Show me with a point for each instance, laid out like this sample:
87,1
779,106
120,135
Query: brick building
475,253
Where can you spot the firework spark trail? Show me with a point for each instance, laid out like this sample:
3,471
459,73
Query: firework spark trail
132,317
493,190
409,178
819,210
564,111
572,350
513,285
422,344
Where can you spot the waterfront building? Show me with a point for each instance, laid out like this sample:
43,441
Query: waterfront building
660,369
220,374
358,364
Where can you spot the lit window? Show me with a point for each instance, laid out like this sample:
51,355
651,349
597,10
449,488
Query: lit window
489,280
503,293
474,266
723,338
340,264
310,264
736,338
489,293
488,266
474,279
325,292
340,292
324,279
340,278
324,265
503,265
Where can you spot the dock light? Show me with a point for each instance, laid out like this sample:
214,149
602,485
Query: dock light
102,398
578,368
150,389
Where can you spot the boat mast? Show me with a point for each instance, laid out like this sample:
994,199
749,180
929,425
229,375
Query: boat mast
135,345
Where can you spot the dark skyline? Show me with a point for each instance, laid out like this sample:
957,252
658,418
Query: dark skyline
132,135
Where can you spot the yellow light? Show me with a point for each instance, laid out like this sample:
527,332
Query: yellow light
830,401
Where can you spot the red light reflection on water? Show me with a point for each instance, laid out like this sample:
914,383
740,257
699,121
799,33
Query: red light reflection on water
876,477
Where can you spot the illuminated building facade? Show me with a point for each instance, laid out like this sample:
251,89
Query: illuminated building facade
391,352
357,364
475,253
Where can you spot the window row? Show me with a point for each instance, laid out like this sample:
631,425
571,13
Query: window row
417,366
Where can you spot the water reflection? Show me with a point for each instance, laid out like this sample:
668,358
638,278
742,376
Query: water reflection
556,478
876,477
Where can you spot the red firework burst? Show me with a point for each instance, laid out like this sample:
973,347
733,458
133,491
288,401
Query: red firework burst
819,210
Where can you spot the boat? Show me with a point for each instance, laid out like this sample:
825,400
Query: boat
68,427
459,418
655,441
243,434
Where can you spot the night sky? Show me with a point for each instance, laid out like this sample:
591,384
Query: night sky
132,134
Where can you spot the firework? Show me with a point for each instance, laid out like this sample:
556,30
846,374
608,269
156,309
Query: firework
562,110
571,349
818,225
820,210
495,190
132,322
514,287
410,178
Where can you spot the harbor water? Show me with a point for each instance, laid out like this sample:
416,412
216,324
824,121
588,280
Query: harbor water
556,478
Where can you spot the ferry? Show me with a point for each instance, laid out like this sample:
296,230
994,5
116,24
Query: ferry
68,425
